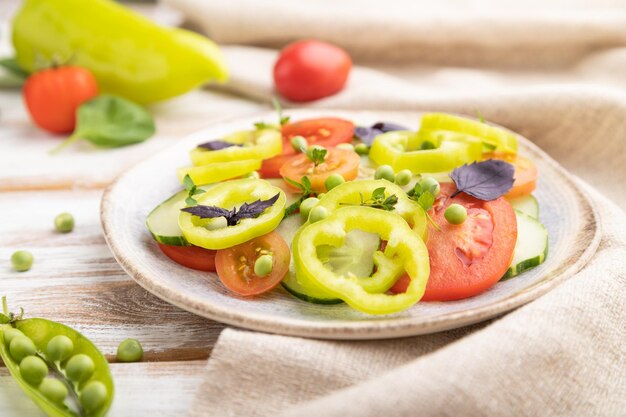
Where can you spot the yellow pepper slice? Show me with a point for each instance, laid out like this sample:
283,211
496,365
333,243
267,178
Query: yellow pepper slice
255,144
218,171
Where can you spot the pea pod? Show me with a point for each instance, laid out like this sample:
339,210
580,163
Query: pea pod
55,393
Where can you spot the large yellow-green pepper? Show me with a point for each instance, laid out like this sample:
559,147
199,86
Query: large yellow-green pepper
129,55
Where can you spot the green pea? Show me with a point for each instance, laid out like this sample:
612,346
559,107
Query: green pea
22,260
306,206
299,143
362,149
21,347
346,146
59,348
9,334
263,265
404,177
93,396
385,172
455,214
33,369
64,223
333,181
429,182
79,368
318,213
129,350
53,389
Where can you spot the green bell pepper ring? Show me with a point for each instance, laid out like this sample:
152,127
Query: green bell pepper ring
402,150
206,233
129,55
218,171
404,248
256,144
495,138
351,194
40,332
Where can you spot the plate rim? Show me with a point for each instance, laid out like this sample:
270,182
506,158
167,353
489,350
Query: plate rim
353,330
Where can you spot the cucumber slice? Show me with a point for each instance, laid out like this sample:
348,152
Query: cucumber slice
354,257
531,247
163,221
305,291
526,204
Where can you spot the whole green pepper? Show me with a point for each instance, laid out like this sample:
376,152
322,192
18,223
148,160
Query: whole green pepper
129,55
57,367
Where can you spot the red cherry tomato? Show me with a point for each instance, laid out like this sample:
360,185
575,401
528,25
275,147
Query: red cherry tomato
326,132
309,70
468,258
53,95
235,266
193,257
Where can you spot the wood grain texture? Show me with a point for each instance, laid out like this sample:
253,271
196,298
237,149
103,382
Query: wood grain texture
141,389
75,280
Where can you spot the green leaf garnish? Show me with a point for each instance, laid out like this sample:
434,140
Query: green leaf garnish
282,119
305,188
425,198
378,200
192,190
317,155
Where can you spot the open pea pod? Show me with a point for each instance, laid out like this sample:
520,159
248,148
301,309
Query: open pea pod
77,384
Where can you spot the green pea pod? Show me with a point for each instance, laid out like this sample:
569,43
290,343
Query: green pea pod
129,55
41,331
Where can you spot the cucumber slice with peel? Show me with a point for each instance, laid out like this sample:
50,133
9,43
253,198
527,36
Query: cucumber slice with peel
163,221
531,247
526,204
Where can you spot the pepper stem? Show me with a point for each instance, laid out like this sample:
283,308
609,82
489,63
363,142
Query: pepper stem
73,138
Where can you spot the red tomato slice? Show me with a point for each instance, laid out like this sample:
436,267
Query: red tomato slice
235,266
193,257
338,161
469,258
525,173
326,132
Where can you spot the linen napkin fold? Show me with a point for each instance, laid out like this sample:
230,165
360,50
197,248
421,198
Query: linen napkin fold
554,75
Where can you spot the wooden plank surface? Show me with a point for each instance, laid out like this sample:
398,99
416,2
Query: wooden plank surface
144,389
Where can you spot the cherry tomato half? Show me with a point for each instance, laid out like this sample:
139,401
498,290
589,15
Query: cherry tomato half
338,161
326,132
53,95
308,70
235,266
193,257
468,258
525,173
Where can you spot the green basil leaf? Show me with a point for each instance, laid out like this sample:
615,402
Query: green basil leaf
11,65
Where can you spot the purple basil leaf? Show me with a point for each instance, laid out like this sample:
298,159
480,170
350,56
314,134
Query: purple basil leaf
486,180
367,134
207,212
388,127
216,145
254,209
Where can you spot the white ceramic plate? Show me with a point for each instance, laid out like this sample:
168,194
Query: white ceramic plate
567,213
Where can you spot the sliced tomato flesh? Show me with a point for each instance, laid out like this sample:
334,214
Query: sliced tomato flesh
467,259
326,132
338,161
193,257
235,265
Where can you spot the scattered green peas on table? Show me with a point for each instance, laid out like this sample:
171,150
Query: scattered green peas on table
299,143
455,214
333,181
362,149
403,177
318,213
306,206
64,223
130,350
428,182
263,265
385,172
56,366
22,260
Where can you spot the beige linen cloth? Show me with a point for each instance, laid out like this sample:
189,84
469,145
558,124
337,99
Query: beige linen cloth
553,73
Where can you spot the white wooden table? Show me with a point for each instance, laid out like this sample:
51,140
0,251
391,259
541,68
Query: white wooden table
75,279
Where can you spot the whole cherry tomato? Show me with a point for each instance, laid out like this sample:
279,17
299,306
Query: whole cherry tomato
308,70
53,95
